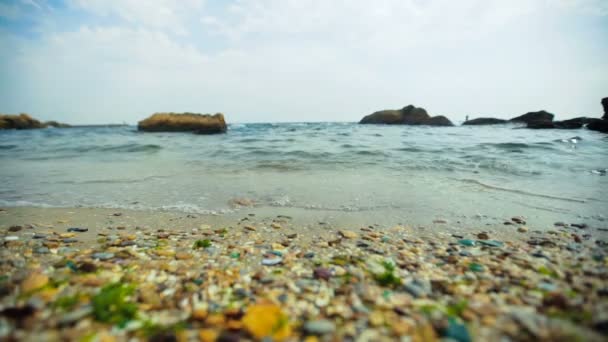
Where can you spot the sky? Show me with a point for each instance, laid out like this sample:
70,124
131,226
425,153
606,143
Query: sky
114,61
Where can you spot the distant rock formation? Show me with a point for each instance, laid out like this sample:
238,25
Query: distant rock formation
56,124
25,121
534,117
21,121
485,121
184,122
409,115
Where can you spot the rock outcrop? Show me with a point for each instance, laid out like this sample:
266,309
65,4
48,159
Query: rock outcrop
185,122
21,121
534,117
485,121
409,115
600,125
565,124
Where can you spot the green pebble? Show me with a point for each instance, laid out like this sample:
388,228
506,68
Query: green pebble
467,242
475,267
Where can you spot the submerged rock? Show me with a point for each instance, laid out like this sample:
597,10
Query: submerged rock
409,115
186,122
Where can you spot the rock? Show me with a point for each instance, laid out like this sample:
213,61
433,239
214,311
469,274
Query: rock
491,243
21,121
78,230
56,124
483,236
418,288
186,122
605,105
467,242
319,327
34,282
11,238
272,261
14,228
565,124
600,125
322,273
518,220
522,229
347,234
579,225
409,115
102,256
457,331
485,121
439,120
42,250
530,117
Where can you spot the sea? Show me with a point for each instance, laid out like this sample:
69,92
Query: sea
382,173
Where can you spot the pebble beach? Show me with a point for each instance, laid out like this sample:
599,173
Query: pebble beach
102,275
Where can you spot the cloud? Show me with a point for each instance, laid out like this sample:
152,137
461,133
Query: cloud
307,60
168,15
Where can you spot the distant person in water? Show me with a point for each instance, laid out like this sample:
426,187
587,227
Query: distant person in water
466,119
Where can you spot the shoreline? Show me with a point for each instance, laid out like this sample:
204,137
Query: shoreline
171,276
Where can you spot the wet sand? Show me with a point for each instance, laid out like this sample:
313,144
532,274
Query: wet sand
287,275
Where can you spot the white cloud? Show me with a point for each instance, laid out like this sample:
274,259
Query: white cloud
307,60
168,15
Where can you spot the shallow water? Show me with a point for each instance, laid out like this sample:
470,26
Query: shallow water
397,172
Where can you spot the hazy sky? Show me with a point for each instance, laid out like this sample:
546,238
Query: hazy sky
98,61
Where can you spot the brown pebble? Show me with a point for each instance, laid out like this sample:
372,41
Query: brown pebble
15,228
483,236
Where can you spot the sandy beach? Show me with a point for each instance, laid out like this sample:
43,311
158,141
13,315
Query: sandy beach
113,275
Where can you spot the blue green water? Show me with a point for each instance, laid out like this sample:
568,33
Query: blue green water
403,172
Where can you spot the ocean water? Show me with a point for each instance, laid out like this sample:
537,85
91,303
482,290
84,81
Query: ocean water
384,173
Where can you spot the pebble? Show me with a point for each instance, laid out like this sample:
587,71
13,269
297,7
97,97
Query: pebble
348,234
319,327
579,225
483,236
102,255
42,250
522,229
518,220
15,228
491,243
322,273
78,230
467,242
272,261
11,238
